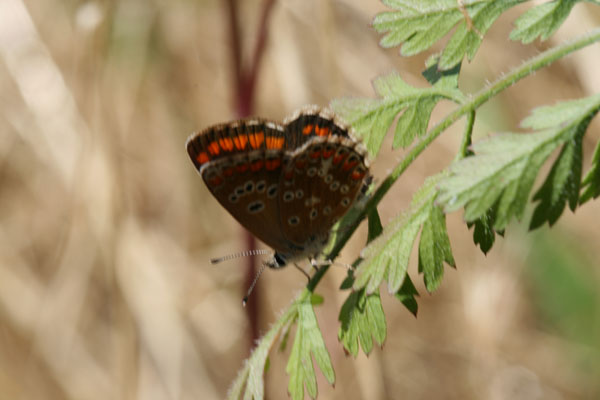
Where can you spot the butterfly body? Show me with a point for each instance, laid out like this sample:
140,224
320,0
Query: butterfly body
289,183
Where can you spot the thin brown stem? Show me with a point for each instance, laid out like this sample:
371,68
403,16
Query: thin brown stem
244,93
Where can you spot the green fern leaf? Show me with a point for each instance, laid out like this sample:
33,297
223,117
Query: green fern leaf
307,343
249,384
591,182
407,294
362,319
418,24
387,256
562,183
434,249
484,234
371,119
542,20
505,166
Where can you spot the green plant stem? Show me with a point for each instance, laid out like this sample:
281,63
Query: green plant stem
526,69
467,136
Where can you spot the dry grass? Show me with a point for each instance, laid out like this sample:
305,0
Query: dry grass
106,229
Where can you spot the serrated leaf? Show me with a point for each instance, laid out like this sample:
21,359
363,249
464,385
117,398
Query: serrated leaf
375,227
434,249
562,183
362,319
348,281
307,343
249,384
418,24
445,78
505,166
387,256
484,234
371,119
406,294
591,182
542,20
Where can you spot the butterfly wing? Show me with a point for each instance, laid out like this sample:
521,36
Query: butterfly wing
310,122
318,186
241,164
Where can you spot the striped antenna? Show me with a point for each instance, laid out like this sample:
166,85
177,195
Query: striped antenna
240,254
260,271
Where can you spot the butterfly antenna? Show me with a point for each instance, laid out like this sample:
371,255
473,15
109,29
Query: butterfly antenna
260,271
240,254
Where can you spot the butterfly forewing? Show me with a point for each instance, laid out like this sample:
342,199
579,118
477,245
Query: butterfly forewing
242,172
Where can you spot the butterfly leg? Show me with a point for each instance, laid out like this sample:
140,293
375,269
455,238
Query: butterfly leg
303,271
316,263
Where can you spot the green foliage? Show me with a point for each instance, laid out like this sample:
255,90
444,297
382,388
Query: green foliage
484,234
386,258
434,249
371,118
362,319
562,184
307,343
418,24
491,179
407,294
249,383
591,182
542,20
505,166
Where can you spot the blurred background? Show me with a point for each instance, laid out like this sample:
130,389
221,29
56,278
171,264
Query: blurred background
106,229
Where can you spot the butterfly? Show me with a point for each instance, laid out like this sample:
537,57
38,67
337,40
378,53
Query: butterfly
287,183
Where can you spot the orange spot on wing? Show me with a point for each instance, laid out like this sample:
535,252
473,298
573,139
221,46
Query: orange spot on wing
315,154
202,158
327,154
348,165
307,129
256,139
228,171
257,165
242,167
357,175
226,144
275,142
214,148
338,158
240,142
216,181
321,131
270,165
289,174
